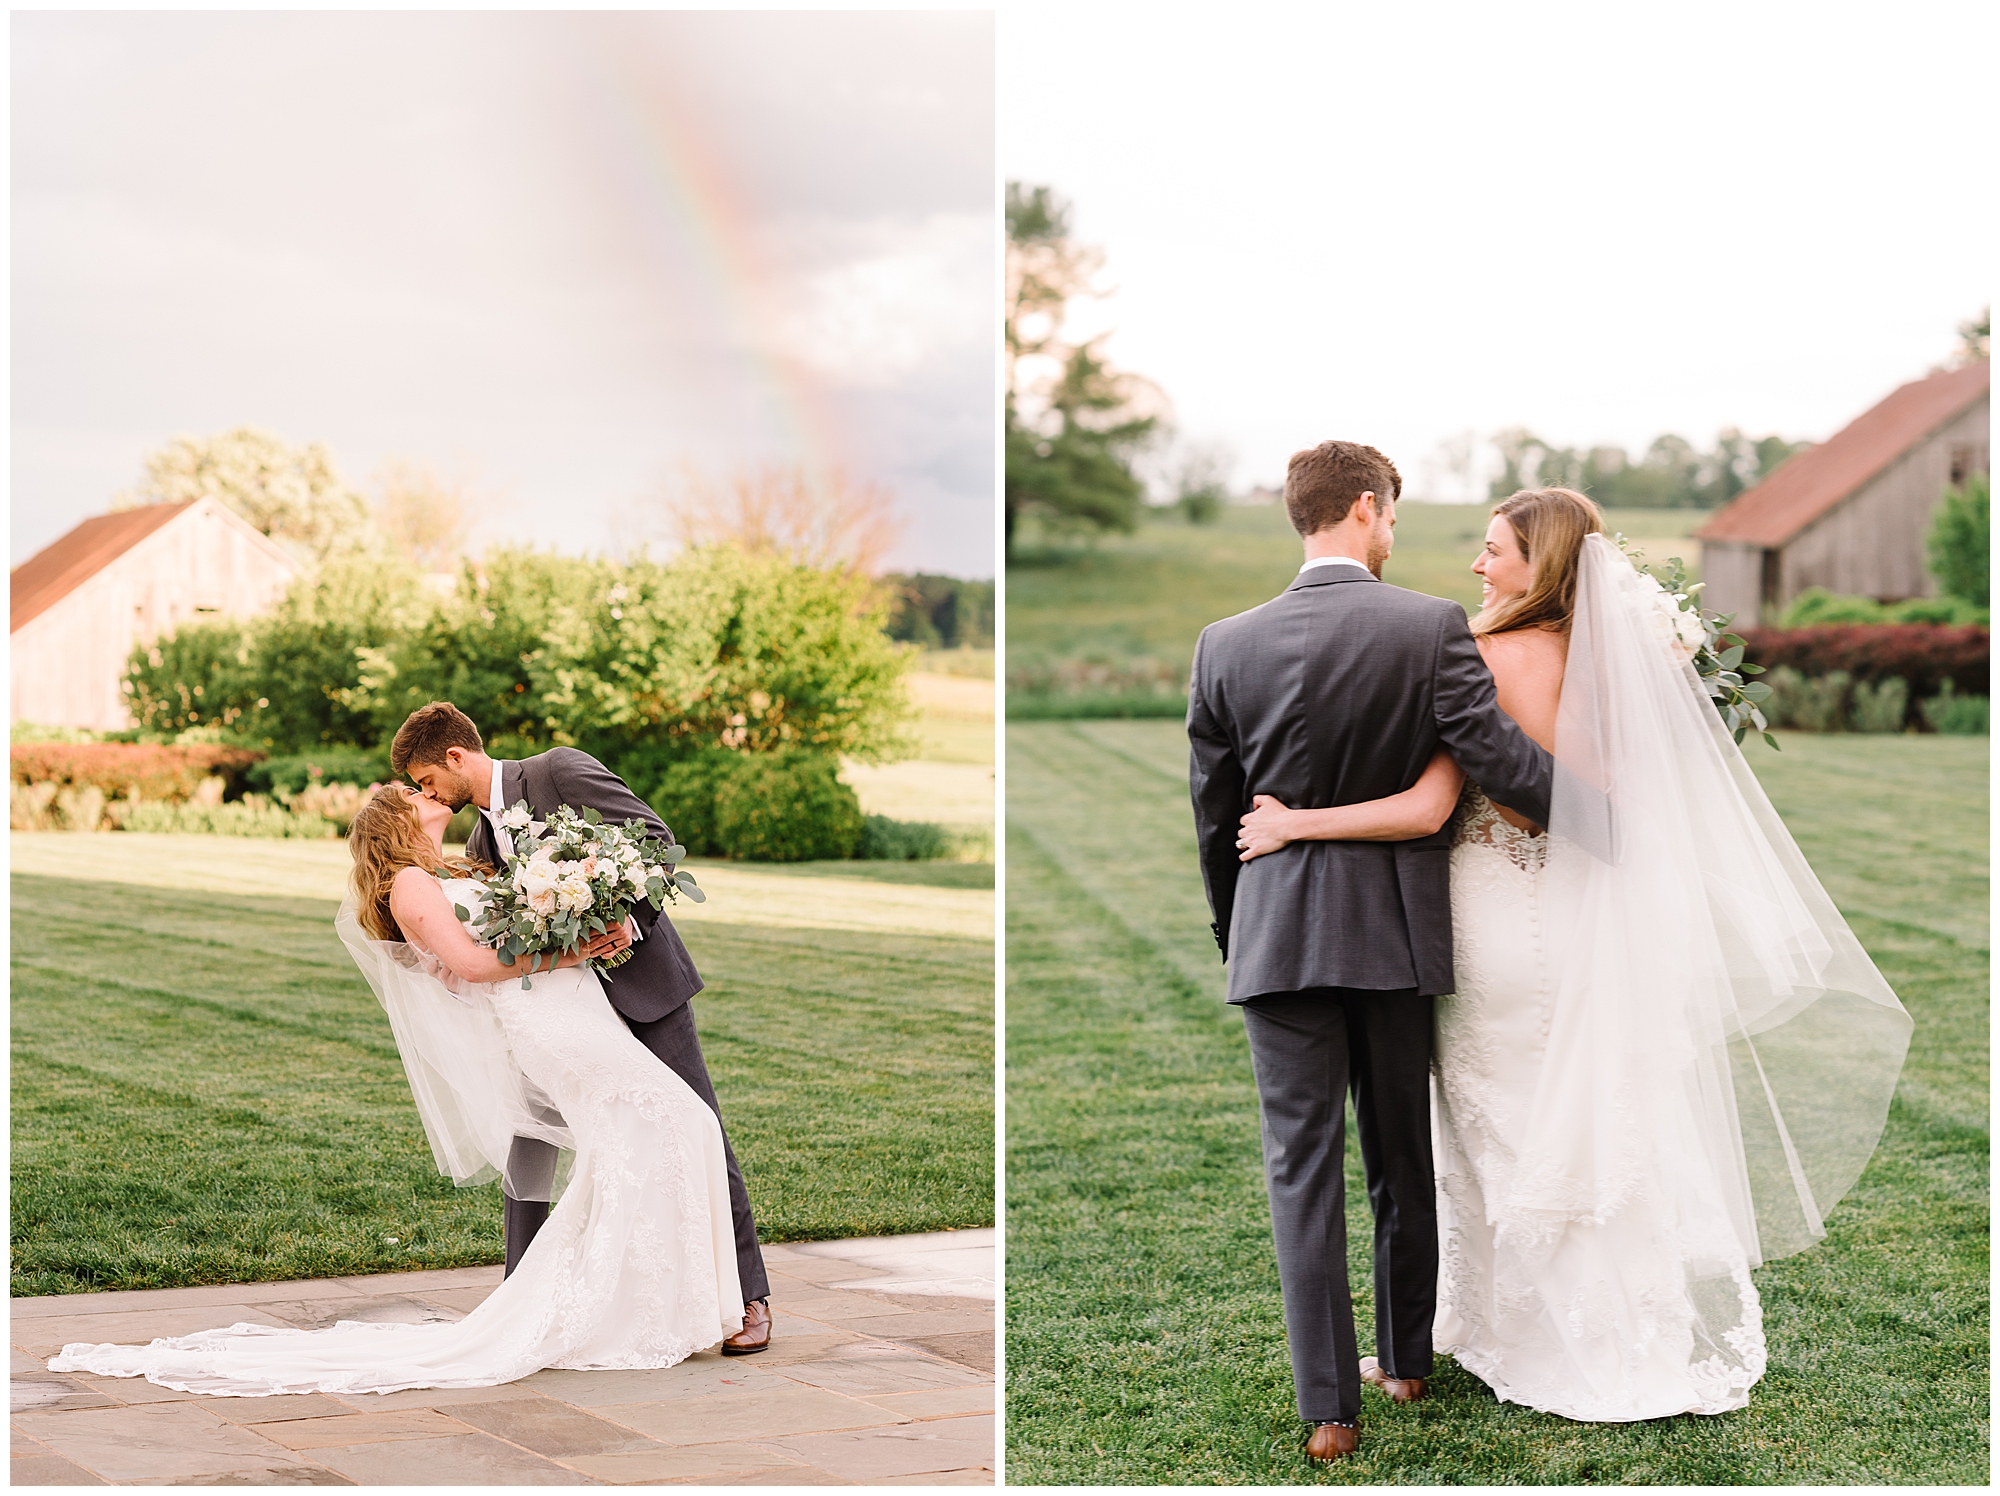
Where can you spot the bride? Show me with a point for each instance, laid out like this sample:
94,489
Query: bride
1668,1057
636,1266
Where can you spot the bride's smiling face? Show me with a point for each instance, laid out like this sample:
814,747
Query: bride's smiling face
1501,564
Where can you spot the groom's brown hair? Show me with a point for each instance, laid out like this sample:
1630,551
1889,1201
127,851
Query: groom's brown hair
427,732
1322,483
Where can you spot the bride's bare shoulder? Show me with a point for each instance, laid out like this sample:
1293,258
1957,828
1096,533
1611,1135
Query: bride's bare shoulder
413,884
1524,651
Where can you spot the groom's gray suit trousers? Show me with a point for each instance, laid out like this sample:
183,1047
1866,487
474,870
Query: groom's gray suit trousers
1310,1049
674,1041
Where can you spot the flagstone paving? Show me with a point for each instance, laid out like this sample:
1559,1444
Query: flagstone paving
880,1373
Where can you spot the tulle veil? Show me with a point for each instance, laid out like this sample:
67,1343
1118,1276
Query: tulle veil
1701,961
469,1089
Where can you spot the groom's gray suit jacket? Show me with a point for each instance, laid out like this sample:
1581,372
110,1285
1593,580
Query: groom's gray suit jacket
660,977
1338,691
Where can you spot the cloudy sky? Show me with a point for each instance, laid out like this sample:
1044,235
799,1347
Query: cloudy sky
1396,223
563,253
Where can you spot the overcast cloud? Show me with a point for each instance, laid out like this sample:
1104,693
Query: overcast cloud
566,252
1393,223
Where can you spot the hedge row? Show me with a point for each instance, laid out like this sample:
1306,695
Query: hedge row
143,771
1923,655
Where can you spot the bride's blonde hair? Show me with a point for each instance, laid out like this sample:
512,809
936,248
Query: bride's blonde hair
386,837
1549,524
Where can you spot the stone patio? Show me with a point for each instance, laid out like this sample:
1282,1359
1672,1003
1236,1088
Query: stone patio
880,1373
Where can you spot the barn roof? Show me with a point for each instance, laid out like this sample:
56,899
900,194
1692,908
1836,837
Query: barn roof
1819,478
58,569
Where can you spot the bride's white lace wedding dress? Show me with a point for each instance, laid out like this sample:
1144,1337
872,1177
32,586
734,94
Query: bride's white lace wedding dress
1667,1058
635,1267
1637,1304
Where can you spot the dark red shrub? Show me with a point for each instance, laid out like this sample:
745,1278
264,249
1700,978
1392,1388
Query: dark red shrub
157,771
1924,654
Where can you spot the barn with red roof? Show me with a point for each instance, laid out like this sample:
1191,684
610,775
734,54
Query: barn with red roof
80,604
1850,514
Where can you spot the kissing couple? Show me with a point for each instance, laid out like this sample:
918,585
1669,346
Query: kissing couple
651,1253
1510,884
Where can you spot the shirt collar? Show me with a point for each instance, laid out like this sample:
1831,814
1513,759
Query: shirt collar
493,806
1333,561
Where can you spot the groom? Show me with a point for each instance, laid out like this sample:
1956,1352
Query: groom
1338,691
441,751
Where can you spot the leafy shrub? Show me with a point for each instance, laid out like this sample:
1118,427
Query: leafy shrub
294,772
1881,707
1925,655
886,840
251,816
789,806
1960,540
1948,712
145,771
1809,703
717,648
31,807
337,803
1816,606
684,795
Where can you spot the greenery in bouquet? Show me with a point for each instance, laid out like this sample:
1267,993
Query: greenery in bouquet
1715,653
570,878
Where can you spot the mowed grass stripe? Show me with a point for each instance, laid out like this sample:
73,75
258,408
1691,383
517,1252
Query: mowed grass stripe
1145,1333
206,1091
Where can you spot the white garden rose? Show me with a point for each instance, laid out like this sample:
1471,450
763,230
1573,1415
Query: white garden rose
537,876
516,819
1680,629
573,894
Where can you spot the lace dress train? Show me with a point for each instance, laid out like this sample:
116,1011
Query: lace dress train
635,1266
1588,1263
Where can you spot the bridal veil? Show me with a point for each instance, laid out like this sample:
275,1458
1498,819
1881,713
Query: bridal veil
469,1090
1700,960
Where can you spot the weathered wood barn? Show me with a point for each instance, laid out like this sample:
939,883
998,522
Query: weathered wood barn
1850,514
122,579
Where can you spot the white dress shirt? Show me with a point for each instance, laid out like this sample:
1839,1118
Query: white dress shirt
491,810
1333,561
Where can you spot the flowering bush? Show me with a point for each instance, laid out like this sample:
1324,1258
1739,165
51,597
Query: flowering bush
1926,655
572,877
139,771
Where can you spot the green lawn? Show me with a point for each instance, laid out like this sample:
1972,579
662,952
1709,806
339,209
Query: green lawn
1132,599
205,1091
1145,1339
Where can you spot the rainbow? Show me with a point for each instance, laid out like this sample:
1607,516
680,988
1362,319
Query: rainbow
681,191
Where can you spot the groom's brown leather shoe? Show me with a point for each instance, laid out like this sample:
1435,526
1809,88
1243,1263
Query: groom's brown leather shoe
755,1335
1400,1389
1330,1442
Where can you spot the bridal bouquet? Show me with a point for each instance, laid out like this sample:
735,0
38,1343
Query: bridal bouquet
1699,637
572,877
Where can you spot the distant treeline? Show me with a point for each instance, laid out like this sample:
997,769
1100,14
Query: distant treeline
940,612
1671,474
